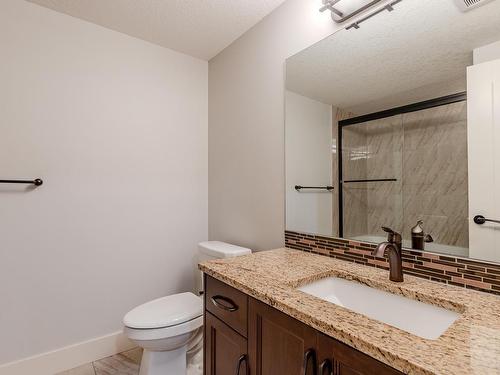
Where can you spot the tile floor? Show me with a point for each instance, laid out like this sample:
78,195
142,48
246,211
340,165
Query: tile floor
126,363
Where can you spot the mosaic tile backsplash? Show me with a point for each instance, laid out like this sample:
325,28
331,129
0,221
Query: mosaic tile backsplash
470,274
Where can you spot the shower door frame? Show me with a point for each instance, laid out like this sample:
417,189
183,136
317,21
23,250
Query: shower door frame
432,103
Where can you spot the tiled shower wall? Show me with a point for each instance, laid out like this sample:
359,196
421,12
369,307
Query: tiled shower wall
372,150
426,151
435,173
470,274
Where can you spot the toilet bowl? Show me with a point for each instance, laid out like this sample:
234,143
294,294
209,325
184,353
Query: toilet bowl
165,328
169,329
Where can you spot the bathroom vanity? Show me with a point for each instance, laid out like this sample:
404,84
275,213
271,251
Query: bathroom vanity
261,318
242,333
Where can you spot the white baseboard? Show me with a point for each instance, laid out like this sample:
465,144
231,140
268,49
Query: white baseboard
69,357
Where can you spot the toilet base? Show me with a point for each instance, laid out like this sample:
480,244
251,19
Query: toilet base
163,363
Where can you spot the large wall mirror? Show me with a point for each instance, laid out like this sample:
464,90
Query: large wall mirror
397,124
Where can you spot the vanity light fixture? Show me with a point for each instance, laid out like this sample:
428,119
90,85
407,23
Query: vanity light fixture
389,7
339,15
329,5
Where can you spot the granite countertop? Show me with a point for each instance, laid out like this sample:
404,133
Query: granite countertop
470,346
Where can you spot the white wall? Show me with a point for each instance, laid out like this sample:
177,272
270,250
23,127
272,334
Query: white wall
117,128
246,125
486,53
308,153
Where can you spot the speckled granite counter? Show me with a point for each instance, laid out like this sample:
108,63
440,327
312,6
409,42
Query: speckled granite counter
470,346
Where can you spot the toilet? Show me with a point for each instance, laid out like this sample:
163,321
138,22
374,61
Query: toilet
170,327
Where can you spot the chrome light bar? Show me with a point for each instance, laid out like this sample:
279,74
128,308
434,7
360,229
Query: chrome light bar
339,16
389,7
328,5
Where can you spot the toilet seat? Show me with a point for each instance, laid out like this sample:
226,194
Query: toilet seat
165,317
164,312
165,332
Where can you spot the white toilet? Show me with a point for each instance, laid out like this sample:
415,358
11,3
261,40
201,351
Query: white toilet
168,327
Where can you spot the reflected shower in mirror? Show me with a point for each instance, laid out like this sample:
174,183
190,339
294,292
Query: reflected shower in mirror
380,114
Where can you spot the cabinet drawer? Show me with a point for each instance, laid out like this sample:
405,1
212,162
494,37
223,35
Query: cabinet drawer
227,303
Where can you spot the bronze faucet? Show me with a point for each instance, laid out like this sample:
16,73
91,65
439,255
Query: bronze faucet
393,248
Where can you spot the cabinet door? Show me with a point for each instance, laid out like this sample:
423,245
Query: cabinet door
279,344
336,358
225,350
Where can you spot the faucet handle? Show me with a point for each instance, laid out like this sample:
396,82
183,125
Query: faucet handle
392,236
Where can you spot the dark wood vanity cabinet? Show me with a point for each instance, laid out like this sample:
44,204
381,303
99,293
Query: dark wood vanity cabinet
265,341
344,360
225,350
226,323
278,344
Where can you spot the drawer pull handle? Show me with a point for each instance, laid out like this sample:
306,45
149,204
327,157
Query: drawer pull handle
242,359
326,368
310,355
229,304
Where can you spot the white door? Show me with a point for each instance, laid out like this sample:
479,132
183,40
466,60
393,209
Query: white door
483,127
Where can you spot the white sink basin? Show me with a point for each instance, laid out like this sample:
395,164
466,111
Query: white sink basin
418,318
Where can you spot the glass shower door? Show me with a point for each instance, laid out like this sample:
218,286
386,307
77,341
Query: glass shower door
435,189
371,178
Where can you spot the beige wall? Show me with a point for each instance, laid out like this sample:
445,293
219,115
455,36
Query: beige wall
487,53
246,125
117,128
308,150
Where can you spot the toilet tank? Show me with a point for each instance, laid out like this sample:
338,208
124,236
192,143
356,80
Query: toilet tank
210,250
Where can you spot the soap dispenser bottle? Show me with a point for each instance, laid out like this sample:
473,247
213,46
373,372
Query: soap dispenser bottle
418,237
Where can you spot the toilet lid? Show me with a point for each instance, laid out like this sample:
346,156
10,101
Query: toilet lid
165,312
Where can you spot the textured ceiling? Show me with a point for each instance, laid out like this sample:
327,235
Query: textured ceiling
200,28
419,51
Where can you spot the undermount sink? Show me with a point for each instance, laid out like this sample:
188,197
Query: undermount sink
418,318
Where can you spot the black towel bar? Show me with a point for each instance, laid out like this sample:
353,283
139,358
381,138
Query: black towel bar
36,182
329,188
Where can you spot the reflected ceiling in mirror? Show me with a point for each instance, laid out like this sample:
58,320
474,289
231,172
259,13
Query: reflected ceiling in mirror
406,161
418,51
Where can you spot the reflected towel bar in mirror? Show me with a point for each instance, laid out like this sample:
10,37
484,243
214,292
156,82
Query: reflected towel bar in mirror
299,188
36,182
375,180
